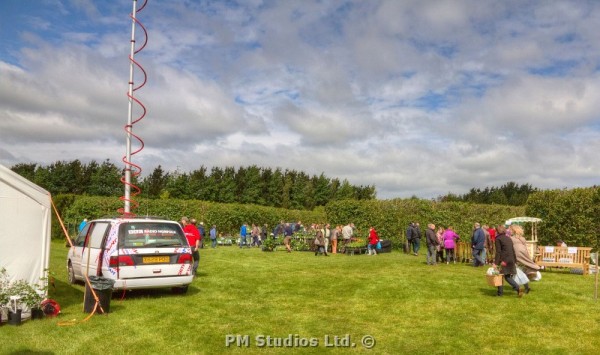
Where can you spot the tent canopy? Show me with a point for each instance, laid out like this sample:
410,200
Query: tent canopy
522,220
25,213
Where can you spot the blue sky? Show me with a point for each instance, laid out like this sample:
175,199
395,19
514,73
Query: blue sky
415,97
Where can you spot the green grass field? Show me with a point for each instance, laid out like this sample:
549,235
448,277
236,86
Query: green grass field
405,305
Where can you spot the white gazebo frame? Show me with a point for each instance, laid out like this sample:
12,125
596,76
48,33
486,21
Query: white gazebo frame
532,243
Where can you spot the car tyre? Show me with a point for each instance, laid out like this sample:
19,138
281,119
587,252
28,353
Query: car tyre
71,274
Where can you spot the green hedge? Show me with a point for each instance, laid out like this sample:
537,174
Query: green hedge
227,217
569,215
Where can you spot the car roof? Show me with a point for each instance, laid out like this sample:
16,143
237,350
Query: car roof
135,219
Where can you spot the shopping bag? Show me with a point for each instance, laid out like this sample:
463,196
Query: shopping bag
536,276
379,245
521,278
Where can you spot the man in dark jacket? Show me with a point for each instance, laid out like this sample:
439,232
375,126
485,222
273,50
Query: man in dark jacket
409,237
478,245
432,243
413,237
416,238
505,257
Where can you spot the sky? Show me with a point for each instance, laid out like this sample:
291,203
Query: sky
418,98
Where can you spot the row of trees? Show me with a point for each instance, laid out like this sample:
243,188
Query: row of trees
289,189
511,194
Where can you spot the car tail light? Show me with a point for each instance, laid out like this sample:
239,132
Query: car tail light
184,259
121,260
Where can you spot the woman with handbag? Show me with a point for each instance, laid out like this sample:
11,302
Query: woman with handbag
522,253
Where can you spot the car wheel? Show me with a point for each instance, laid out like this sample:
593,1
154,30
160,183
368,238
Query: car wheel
179,290
71,273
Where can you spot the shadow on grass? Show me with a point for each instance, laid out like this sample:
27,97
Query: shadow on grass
153,293
69,295
66,294
29,351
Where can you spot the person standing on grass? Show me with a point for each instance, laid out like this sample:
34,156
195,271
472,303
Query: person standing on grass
522,253
416,238
264,232
327,235
195,224
409,236
478,245
320,243
489,244
243,234
287,239
347,233
505,258
439,257
193,237
450,239
335,232
255,233
213,236
202,232
373,240
432,244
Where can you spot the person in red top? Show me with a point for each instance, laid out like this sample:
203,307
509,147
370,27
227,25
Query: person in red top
492,232
373,240
193,238
490,243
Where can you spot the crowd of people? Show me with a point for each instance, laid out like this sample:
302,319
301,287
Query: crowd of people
502,247
328,238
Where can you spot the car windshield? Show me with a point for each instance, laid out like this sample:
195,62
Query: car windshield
151,235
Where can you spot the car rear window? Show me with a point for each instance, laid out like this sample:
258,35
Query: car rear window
151,235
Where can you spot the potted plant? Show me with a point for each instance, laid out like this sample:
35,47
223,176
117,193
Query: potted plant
356,246
28,296
32,298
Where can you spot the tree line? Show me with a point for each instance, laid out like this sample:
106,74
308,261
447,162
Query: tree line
511,194
289,189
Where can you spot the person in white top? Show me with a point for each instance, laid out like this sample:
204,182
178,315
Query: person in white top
348,232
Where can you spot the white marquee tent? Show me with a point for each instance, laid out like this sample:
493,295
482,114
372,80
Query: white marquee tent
25,213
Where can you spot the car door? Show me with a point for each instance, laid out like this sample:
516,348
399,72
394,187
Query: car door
91,254
76,252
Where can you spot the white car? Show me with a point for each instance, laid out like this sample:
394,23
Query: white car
137,253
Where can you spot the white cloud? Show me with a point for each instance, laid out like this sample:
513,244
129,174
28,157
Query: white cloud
417,98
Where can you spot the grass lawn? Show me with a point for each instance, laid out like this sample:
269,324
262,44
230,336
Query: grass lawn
405,305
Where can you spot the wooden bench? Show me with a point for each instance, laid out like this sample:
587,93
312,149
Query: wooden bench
568,257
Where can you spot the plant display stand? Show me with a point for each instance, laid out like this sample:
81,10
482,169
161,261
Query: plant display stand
355,250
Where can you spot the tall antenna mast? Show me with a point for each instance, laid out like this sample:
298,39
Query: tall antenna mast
127,200
132,169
